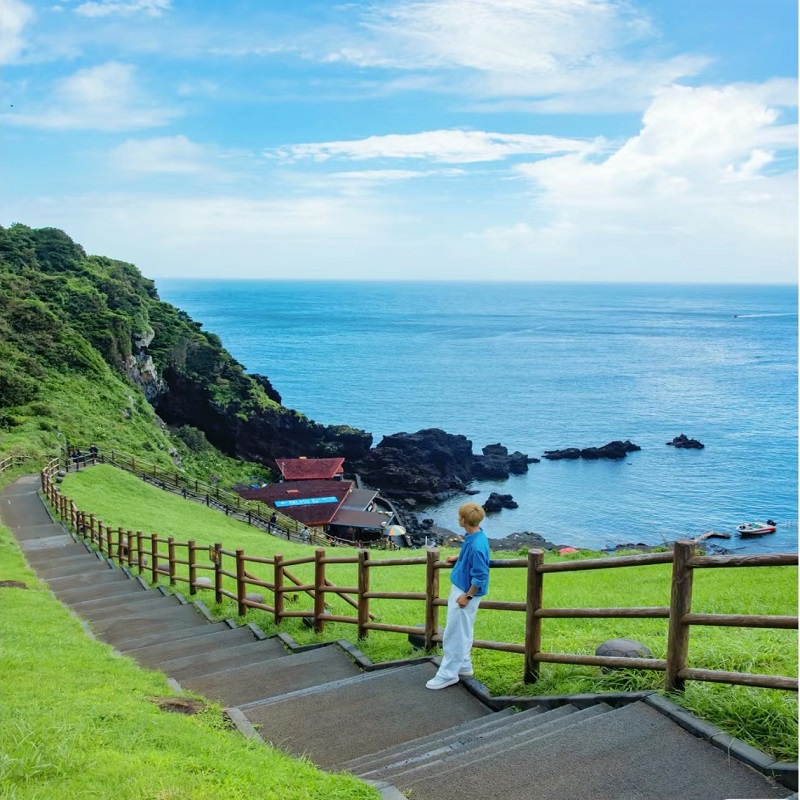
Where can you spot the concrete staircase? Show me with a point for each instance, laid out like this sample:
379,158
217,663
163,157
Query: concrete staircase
332,705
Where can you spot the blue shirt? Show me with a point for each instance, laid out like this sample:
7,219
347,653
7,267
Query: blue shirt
472,567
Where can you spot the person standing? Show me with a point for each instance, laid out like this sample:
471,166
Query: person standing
273,522
470,579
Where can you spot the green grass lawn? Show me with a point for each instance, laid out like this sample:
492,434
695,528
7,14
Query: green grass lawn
765,718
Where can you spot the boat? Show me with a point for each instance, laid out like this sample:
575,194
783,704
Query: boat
756,528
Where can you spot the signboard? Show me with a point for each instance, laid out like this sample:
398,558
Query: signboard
307,501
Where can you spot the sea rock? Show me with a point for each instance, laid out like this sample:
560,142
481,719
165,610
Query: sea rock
523,539
685,442
613,450
425,465
431,464
497,502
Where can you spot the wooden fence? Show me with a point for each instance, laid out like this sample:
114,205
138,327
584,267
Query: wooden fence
253,512
158,557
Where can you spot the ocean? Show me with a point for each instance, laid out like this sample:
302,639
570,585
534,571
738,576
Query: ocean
542,366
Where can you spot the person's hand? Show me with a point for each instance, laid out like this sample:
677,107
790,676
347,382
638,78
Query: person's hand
451,559
463,600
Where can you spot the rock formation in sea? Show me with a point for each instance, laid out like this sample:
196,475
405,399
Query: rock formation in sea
683,441
431,464
613,450
497,502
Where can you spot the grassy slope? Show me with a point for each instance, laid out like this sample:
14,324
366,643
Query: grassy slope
77,722
759,716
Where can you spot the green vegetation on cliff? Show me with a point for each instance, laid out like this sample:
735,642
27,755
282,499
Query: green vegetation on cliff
84,341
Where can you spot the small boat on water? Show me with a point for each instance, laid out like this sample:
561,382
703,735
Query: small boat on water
756,528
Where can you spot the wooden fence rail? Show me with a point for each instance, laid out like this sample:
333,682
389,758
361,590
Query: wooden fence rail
233,577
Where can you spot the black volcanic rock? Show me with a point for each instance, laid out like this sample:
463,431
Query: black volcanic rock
613,450
497,502
557,455
423,465
429,464
686,443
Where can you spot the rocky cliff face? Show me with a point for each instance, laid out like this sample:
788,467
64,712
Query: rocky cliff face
261,437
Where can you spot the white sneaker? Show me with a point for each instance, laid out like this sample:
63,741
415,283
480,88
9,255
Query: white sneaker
465,673
440,683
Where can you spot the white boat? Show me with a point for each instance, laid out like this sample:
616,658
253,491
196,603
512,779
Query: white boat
756,528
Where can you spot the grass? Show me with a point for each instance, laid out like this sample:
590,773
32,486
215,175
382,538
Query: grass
765,718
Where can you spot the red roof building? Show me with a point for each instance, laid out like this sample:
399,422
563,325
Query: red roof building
309,469
310,502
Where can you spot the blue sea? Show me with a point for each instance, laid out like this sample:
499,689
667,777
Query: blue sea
540,366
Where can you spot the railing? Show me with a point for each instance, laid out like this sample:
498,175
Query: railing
232,505
233,575
12,461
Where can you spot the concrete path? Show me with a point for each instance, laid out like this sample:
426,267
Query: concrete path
382,725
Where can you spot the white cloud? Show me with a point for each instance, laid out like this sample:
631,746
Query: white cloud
562,53
695,189
14,16
151,8
168,154
453,146
106,97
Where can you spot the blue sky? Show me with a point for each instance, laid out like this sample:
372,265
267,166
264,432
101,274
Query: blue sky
575,140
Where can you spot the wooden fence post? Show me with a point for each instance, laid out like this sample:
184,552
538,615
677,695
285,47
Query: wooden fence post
91,528
278,579
120,546
154,556
129,547
680,604
218,572
319,590
431,595
241,585
173,567
363,588
533,624
139,551
192,557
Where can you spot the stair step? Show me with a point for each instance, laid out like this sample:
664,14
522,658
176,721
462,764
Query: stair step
60,585
226,657
139,603
154,654
130,645
235,686
452,758
405,750
108,575
163,619
630,753
52,550
71,565
331,724
451,740
81,597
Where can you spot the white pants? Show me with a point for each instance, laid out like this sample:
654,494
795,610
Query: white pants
458,635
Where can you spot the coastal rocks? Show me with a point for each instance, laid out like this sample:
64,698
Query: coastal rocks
421,466
497,464
686,443
613,450
497,502
523,539
429,464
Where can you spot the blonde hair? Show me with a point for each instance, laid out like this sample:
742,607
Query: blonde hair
471,513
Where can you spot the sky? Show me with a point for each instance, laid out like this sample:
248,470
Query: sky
517,140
